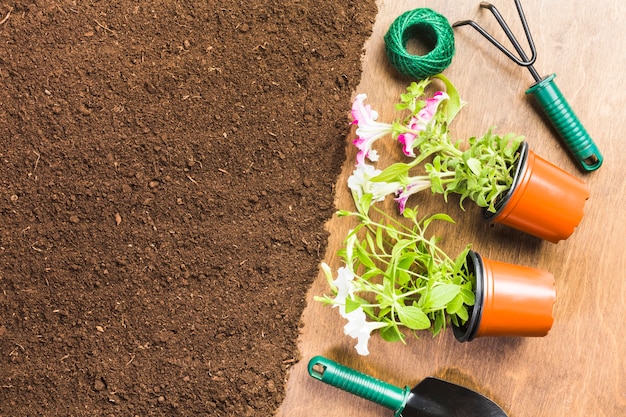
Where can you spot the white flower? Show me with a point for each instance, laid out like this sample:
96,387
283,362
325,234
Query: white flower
357,327
360,329
345,288
358,181
361,184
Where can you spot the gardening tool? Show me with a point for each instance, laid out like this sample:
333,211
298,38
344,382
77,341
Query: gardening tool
545,92
430,398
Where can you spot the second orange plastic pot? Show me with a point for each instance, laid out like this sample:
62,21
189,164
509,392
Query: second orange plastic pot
511,300
544,200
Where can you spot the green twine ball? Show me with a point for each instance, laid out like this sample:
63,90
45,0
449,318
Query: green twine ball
433,30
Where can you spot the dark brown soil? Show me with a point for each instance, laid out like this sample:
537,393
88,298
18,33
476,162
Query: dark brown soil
166,169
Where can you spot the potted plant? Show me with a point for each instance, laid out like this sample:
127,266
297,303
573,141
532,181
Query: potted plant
513,185
512,300
396,278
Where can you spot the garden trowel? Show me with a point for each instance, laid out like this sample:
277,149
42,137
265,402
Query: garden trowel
430,398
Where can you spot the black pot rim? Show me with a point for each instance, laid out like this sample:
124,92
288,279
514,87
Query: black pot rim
467,331
519,169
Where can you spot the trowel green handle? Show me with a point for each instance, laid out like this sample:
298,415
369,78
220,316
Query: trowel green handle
566,123
357,383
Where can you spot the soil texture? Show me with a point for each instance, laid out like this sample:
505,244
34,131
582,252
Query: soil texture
166,170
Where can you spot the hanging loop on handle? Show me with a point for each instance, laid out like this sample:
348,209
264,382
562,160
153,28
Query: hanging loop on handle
357,383
564,120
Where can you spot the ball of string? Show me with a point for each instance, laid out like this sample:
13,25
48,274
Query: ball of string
430,29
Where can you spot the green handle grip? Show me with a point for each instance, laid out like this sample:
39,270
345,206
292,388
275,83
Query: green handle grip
566,123
359,384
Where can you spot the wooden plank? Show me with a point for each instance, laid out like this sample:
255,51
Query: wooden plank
579,368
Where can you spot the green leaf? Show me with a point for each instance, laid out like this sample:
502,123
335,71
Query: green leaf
391,334
413,318
389,290
439,323
406,260
370,242
409,213
392,173
439,216
379,239
363,257
440,295
364,204
454,104
392,231
463,314
469,298
474,165
402,277
436,185
352,305
371,273
455,305
460,264
400,246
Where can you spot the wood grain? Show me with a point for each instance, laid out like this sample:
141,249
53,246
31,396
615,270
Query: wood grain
579,368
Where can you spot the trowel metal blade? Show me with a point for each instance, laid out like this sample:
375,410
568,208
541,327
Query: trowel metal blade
437,398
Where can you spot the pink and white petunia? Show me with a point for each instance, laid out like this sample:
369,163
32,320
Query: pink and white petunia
416,185
368,130
420,122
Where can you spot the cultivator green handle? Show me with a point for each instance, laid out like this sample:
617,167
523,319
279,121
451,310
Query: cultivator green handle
566,123
359,384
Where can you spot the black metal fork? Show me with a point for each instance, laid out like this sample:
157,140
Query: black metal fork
545,91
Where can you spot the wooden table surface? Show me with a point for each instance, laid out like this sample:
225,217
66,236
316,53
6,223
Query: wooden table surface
579,368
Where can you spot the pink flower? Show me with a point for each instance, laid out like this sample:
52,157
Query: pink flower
420,122
368,131
416,185
431,106
407,139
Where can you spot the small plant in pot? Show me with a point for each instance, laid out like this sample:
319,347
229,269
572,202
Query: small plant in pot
396,279
512,184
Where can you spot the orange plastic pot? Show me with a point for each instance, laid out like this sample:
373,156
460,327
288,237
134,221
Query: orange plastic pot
544,200
511,300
